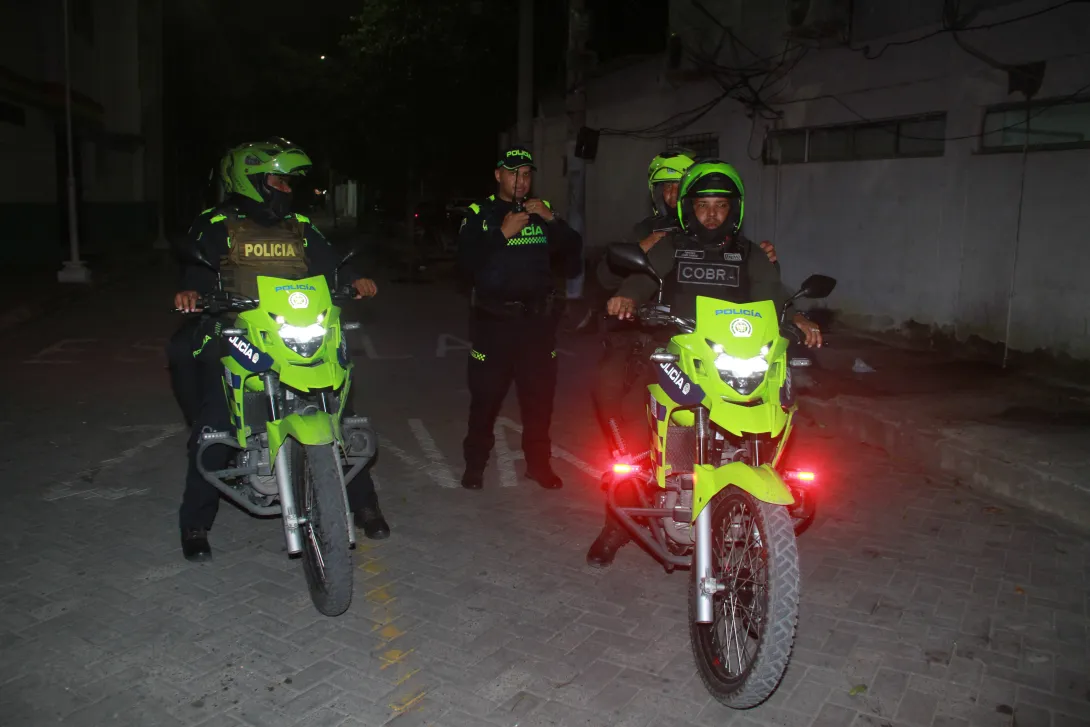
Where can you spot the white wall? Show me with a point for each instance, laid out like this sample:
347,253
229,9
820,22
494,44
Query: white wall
930,240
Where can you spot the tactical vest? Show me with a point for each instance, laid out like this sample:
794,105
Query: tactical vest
717,271
252,250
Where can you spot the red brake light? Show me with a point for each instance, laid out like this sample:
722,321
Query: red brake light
416,214
802,476
624,468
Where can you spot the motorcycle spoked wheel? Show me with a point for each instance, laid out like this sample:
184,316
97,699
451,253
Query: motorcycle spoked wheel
742,655
319,499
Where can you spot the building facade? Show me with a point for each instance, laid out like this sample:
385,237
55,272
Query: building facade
115,48
877,146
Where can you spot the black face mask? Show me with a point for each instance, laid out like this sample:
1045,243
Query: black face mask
275,207
277,203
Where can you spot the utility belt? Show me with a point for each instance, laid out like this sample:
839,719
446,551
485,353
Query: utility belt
543,306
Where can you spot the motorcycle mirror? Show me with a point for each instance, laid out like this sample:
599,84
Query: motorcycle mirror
344,260
628,256
194,256
816,286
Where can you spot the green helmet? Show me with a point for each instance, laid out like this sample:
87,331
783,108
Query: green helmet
668,166
225,171
244,168
711,178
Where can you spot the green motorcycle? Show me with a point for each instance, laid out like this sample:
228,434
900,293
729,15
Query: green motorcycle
713,493
286,378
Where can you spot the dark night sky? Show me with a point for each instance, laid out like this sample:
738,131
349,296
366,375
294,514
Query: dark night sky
215,49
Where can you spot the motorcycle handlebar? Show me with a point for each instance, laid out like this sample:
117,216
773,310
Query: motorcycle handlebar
222,302
656,316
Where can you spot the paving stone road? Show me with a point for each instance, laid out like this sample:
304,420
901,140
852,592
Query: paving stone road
922,604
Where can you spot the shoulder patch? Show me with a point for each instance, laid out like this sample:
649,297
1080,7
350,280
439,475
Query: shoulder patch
218,218
491,198
302,218
476,208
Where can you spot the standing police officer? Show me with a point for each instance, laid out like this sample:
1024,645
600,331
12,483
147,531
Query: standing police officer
506,248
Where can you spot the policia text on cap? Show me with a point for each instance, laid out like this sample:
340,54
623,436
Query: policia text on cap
506,249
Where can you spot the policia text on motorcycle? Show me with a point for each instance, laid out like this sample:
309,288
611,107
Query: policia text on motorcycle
252,233
506,249
706,257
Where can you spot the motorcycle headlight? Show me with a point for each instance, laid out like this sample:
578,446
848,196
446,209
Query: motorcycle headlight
303,340
743,375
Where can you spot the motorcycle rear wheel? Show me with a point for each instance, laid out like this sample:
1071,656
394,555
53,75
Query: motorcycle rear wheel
319,499
755,560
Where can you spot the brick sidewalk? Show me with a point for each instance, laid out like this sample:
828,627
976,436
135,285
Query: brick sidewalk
1002,432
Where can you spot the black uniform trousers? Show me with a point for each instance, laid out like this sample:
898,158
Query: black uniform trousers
519,348
197,374
185,379
618,376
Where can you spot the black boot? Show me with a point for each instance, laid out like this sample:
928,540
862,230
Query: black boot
543,475
195,545
473,478
604,549
369,519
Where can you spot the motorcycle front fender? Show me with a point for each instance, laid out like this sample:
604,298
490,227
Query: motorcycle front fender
310,429
762,482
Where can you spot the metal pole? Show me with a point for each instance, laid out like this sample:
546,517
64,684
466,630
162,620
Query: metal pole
1017,240
526,73
74,271
577,119
158,125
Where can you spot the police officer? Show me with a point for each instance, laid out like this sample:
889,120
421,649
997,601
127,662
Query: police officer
185,375
257,210
664,173
710,209
506,247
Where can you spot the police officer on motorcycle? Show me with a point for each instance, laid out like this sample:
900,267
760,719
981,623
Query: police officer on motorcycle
663,176
710,210
252,233
505,250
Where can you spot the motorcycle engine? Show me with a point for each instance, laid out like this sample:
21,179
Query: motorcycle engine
264,482
679,532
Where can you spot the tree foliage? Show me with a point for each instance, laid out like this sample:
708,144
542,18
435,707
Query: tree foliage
406,87
433,82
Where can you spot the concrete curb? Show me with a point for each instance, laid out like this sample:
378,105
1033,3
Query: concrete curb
1039,489
37,309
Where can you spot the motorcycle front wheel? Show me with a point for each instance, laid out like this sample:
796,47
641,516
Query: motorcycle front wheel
742,655
319,500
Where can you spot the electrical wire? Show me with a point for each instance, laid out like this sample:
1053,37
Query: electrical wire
1034,113
663,127
865,50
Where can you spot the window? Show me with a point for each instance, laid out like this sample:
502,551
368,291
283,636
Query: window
917,136
703,145
1063,124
